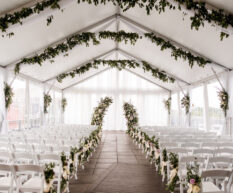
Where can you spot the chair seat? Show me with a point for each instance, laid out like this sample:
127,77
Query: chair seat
33,184
210,187
5,183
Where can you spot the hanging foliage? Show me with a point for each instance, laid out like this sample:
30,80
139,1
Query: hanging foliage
63,104
119,64
120,36
47,101
100,110
185,103
50,52
174,178
224,100
177,52
8,91
87,37
167,104
201,12
131,116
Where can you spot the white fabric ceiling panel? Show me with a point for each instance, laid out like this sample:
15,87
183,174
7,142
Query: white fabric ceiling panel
174,25
34,34
7,5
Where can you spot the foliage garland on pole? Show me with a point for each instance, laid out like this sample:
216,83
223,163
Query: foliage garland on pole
8,92
131,116
63,104
185,103
100,110
224,101
47,101
167,104
88,37
119,64
201,12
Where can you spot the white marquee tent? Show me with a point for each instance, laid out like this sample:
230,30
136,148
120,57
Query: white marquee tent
34,36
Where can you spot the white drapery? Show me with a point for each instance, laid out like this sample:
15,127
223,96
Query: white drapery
122,86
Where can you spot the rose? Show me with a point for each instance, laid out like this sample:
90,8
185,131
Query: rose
192,181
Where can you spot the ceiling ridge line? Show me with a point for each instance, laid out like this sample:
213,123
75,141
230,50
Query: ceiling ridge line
129,22
105,54
139,59
94,25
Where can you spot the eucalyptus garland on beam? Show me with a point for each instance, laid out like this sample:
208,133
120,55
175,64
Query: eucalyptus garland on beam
8,92
177,52
47,101
119,64
100,110
185,103
201,12
50,52
121,36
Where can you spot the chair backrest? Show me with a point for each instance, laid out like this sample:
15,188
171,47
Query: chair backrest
191,145
224,152
219,162
5,157
24,158
28,168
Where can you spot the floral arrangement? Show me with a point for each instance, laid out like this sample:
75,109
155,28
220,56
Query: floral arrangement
174,178
185,103
164,163
167,104
8,95
193,177
49,176
63,104
47,101
224,99
66,172
100,110
130,115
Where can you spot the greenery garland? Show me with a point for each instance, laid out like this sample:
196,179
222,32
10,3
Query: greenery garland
167,104
131,116
164,163
87,37
201,13
185,103
63,104
119,64
193,177
174,178
177,52
49,176
100,110
47,101
8,91
50,52
224,101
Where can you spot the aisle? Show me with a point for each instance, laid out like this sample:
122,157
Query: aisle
117,167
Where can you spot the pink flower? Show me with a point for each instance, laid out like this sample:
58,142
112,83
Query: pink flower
192,181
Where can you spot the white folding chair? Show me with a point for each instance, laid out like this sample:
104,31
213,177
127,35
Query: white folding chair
211,178
34,181
6,178
56,159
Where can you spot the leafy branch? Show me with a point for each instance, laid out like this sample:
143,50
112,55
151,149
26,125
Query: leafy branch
119,64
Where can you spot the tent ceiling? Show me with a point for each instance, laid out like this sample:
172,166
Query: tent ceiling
34,35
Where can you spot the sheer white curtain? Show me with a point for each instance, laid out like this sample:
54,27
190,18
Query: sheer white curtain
122,86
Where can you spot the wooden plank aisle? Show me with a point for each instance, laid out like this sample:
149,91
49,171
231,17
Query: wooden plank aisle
118,166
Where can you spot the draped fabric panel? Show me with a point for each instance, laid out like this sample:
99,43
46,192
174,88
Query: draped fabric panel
122,86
